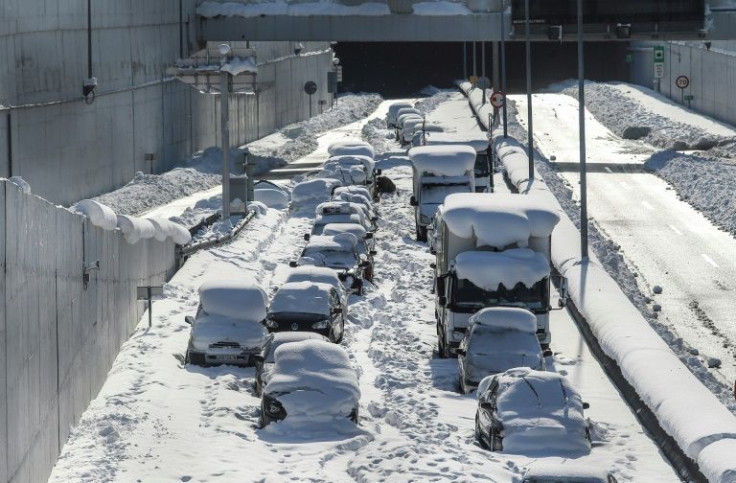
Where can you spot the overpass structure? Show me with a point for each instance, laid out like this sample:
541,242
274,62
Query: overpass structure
466,20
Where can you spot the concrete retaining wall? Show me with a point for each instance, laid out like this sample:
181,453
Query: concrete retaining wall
712,75
58,337
68,150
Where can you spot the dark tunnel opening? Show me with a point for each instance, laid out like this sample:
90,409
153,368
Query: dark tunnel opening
402,69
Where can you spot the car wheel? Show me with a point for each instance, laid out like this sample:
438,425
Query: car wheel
338,339
422,233
479,434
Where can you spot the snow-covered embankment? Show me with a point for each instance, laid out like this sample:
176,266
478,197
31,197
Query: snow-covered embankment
703,428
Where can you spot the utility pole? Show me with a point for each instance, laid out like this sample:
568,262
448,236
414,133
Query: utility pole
581,119
530,129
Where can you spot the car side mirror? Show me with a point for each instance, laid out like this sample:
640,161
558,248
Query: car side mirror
342,276
364,264
461,352
189,320
433,265
307,236
413,201
373,252
586,405
486,405
442,300
292,264
368,236
257,358
337,310
379,172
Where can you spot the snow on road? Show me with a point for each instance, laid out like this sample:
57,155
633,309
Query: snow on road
157,419
664,240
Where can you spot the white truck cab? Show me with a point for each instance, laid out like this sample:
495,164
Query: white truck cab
438,171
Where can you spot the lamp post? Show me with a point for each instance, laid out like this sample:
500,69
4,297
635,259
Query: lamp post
503,67
530,129
581,120
225,132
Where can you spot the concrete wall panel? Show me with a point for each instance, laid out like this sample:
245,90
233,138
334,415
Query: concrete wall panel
4,471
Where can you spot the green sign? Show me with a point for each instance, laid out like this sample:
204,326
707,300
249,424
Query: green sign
629,58
658,54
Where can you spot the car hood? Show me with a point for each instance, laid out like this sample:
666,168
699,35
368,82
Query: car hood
211,329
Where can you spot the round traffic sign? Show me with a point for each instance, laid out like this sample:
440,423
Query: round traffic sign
498,98
310,87
682,82
483,83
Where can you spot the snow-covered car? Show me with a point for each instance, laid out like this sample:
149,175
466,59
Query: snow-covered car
264,360
367,163
534,413
313,190
228,327
310,273
356,198
499,338
307,306
353,190
271,194
351,147
343,212
366,242
323,220
345,175
408,129
567,471
393,109
402,119
311,380
419,138
340,253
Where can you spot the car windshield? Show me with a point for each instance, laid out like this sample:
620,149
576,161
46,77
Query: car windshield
469,295
436,193
332,258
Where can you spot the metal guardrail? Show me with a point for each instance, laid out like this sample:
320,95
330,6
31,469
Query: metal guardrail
183,253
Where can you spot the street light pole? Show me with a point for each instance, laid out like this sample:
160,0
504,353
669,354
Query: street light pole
225,130
503,68
581,119
530,129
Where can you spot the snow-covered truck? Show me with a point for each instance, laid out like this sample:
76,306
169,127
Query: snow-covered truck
492,250
483,164
439,171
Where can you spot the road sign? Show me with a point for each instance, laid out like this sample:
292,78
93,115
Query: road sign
310,87
483,83
658,70
498,98
147,292
658,53
682,81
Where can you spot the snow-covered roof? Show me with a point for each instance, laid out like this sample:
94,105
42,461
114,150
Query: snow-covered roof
272,198
354,189
351,147
411,124
336,208
353,198
209,329
134,228
238,299
479,143
489,270
314,378
314,189
506,318
341,242
322,220
336,228
394,108
408,110
541,413
302,297
311,273
498,220
351,159
491,351
406,117
450,160
99,215
568,470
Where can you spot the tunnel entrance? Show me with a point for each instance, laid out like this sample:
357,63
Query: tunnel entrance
402,69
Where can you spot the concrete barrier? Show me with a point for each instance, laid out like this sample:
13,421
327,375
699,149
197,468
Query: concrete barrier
60,332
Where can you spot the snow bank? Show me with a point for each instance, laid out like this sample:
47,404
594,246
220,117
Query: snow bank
164,229
316,189
665,385
301,297
135,229
503,318
315,378
717,461
489,270
236,299
453,160
98,214
272,198
209,329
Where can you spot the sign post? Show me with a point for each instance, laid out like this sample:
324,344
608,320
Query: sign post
682,82
310,88
658,59
147,292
